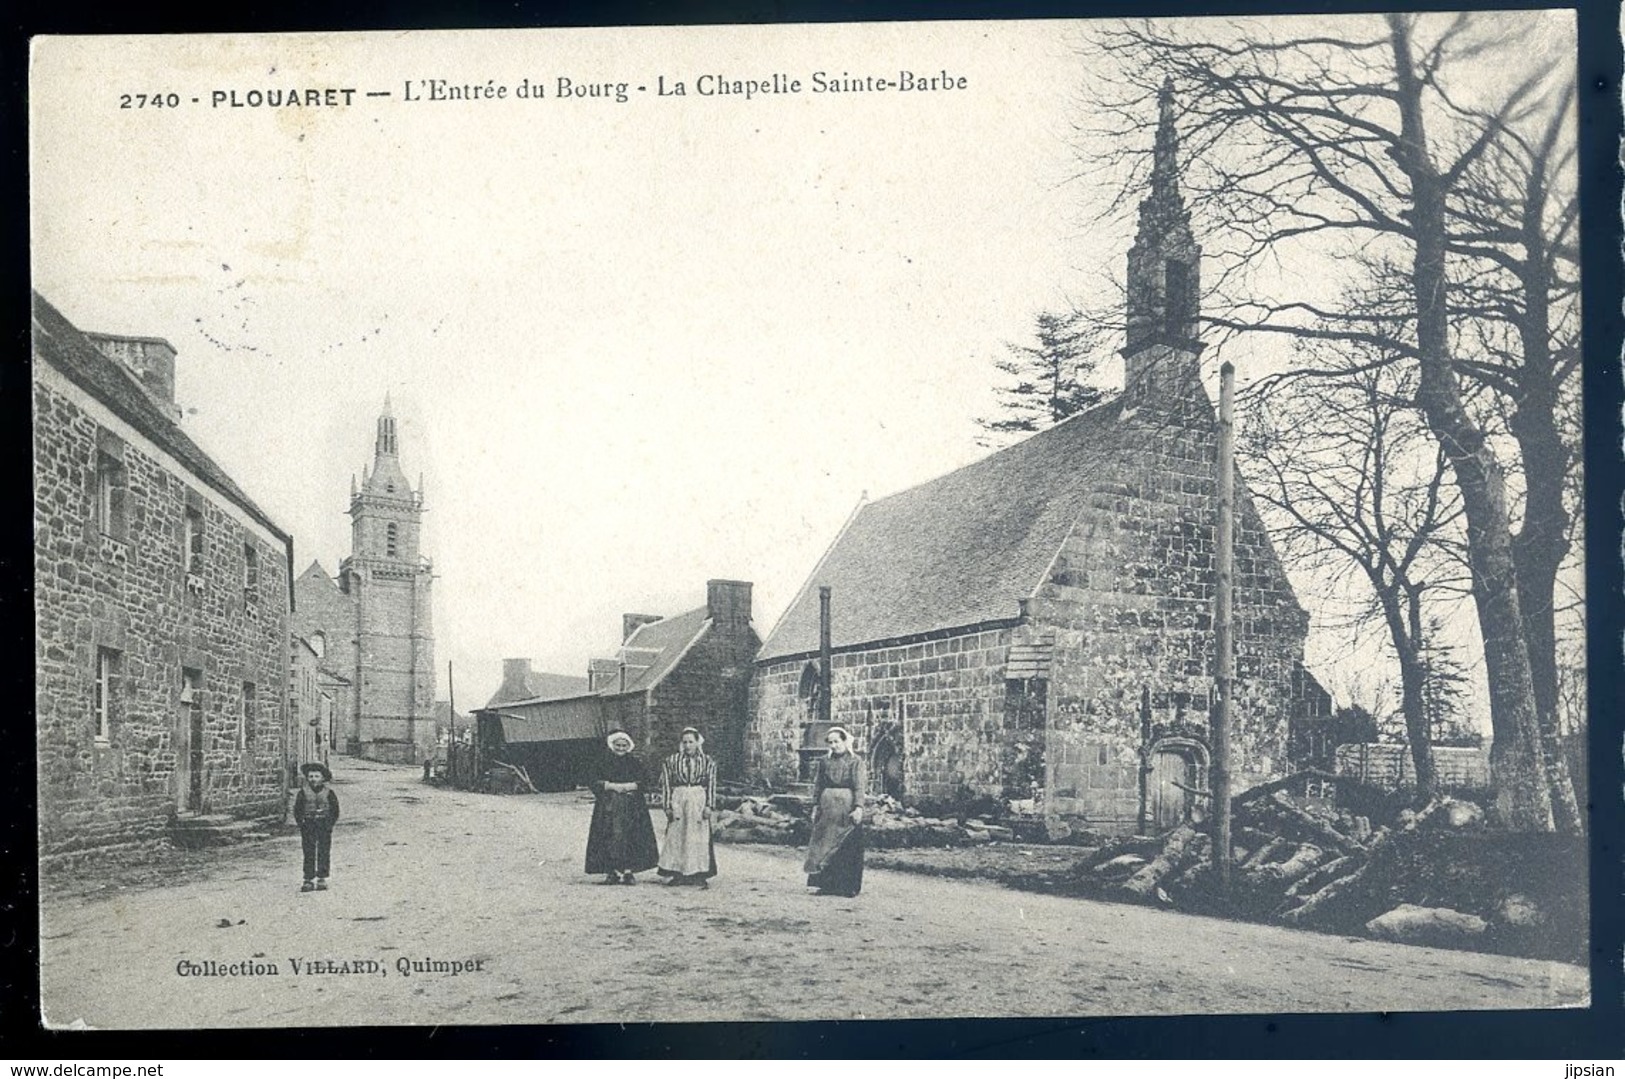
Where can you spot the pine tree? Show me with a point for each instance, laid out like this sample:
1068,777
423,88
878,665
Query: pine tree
1050,379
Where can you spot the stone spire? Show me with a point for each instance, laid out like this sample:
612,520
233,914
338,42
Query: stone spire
387,445
1164,267
1163,209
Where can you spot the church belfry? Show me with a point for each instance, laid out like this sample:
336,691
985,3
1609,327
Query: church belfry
1164,277
389,584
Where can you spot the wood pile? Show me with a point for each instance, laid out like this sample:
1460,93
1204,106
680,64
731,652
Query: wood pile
889,824
1294,862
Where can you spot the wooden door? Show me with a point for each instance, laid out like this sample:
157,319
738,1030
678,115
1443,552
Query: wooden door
194,753
1170,773
189,738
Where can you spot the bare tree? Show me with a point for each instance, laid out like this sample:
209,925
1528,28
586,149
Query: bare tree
1350,479
1513,228
1351,143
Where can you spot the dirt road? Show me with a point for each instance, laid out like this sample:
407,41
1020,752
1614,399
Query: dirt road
425,874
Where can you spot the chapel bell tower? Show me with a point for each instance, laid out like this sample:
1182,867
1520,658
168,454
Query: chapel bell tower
1164,279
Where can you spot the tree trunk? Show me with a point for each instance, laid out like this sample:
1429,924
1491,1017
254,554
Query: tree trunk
1522,799
1404,629
1542,542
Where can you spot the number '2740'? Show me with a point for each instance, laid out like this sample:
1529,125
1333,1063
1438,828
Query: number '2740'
149,101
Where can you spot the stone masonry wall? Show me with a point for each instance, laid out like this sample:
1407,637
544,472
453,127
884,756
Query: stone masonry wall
319,606
948,694
1129,601
132,597
708,689
395,683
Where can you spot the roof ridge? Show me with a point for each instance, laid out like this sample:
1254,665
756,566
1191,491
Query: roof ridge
962,548
660,622
1019,444
795,601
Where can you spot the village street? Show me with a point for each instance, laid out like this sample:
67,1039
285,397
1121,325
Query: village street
425,873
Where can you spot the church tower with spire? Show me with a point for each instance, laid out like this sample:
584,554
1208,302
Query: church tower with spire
1164,281
389,584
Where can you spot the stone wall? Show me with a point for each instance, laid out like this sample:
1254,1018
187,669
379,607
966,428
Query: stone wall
320,607
708,689
131,594
395,680
1129,603
945,699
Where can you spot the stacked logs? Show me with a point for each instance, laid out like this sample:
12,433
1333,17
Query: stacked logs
1307,864
784,819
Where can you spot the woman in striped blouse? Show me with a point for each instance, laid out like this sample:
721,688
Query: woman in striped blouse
688,782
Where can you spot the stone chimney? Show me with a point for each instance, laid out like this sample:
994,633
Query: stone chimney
150,359
728,605
631,622
515,680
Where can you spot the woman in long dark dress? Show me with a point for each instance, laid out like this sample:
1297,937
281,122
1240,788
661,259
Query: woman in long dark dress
835,850
620,840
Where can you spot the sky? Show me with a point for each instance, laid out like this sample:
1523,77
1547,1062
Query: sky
631,346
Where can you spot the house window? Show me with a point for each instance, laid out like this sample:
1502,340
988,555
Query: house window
106,692
192,542
245,723
111,483
251,571
391,539
192,688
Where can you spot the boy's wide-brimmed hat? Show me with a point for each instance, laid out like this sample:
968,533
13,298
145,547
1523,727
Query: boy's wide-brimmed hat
315,766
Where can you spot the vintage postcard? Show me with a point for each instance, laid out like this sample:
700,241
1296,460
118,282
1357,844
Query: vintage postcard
968,519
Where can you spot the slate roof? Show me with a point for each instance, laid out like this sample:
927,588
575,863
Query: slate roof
661,643
959,550
668,638
443,714
65,347
539,686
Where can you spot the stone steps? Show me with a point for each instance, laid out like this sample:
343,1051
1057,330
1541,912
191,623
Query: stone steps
195,830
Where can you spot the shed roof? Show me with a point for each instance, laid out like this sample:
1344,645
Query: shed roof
552,721
959,550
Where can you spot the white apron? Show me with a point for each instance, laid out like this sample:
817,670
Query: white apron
687,850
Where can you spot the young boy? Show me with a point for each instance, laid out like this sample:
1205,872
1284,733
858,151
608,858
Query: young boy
316,808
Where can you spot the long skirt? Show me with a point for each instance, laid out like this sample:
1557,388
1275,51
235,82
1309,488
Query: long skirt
835,851
689,851
620,838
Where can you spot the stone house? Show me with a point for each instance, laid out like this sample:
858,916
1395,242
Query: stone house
310,705
689,670
373,622
161,607
1037,626
521,683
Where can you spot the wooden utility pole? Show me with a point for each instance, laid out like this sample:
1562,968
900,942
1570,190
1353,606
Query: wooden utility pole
824,712
1224,666
451,694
